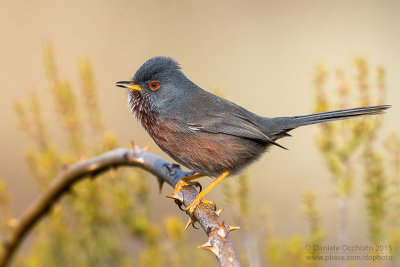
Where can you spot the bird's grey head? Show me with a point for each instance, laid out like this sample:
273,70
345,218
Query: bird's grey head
160,82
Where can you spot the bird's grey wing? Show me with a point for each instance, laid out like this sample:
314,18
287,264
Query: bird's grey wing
232,124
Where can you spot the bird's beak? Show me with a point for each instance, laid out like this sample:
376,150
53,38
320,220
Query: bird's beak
129,84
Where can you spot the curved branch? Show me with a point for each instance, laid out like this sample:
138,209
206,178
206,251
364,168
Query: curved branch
219,242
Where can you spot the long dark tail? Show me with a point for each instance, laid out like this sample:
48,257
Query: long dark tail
278,127
337,115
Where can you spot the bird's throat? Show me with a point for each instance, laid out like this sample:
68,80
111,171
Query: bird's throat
140,106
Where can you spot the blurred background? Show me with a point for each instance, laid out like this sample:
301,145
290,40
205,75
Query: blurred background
272,57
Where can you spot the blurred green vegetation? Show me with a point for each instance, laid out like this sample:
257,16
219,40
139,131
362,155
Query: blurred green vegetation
354,149
107,221
100,221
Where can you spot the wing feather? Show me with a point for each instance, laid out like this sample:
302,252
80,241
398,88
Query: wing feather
231,124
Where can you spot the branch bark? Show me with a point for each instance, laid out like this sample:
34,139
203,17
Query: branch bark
219,241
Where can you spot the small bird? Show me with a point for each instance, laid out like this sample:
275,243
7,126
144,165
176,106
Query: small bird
206,133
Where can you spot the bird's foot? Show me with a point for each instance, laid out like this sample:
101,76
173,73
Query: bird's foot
186,181
196,202
182,182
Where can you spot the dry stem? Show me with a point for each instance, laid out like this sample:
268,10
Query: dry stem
219,242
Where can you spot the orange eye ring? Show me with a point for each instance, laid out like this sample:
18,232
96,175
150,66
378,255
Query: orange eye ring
154,85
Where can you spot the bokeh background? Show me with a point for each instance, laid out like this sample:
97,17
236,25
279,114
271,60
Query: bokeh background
260,54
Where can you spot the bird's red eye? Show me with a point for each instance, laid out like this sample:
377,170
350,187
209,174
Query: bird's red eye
154,85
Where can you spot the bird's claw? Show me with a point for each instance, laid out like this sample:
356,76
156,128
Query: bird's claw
178,196
178,199
196,202
181,183
190,222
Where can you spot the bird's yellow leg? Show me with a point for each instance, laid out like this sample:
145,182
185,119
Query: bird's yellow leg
199,198
185,181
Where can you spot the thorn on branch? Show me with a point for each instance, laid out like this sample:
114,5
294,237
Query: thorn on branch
209,247
232,228
172,167
177,197
207,244
170,170
83,158
189,222
230,257
138,160
218,212
133,145
160,183
222,231
92,167
178,200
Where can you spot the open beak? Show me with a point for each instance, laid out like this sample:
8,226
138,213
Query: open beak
129,84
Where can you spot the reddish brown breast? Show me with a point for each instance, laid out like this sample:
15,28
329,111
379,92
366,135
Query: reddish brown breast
207,153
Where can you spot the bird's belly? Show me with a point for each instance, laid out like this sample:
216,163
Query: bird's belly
208,153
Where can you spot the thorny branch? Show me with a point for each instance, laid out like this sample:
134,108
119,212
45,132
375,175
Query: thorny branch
219,242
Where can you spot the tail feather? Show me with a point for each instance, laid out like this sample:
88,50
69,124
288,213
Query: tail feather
337,115
278,127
